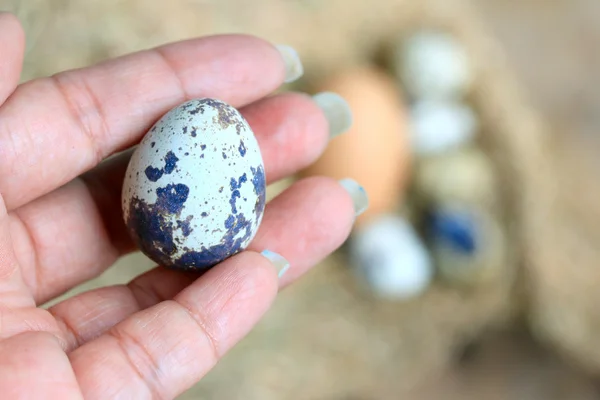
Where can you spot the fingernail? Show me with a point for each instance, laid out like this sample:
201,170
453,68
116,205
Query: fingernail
336,110
280,263
358,194
293,66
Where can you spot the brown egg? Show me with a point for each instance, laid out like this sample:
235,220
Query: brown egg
375,151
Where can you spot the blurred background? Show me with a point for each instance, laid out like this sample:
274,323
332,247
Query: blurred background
473,275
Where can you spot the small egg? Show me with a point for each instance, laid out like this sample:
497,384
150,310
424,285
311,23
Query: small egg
375,151
466,176
439,126
194,191
467,245
390,258
433,65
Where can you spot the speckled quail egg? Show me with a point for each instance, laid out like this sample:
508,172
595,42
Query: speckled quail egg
441,126
433,65
194,191
391,258
466,175
467,244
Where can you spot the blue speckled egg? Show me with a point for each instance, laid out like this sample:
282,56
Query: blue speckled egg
194,191
467,244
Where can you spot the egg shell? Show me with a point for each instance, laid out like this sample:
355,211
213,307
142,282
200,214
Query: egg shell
465,176
194,191
440,126
468,246
391,258
433,65
375,151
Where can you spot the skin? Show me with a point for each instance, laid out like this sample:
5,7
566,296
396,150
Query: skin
60,220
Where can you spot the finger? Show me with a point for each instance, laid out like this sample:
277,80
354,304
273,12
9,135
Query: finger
34,366
163,350
56,128
86,214
13,290
12,48
305,223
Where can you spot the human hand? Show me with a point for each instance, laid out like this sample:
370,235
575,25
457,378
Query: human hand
61,225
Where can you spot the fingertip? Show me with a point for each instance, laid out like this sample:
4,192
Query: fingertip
341,205
306,223
324,194
12,49
255,273
13,37
248,274
251,62
11,21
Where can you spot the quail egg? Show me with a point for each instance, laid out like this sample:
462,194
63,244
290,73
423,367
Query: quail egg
194,191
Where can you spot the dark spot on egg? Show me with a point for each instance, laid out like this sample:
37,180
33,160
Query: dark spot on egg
154,174
226,115
149,224
185,226
224,155
242,148
196,110
170,162
194,134
204,214
234,196
152,144
457,230
202,146
236,184
172,198
260,189
258,179
184,130
229,245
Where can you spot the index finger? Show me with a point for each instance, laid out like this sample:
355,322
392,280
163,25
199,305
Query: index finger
54,129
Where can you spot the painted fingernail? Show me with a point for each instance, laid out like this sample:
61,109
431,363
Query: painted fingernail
293,66
280,263
358,194
336,110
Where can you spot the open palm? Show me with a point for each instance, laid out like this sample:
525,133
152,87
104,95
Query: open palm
60,220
